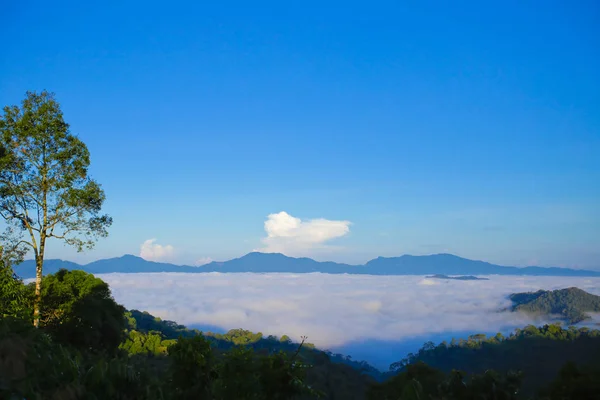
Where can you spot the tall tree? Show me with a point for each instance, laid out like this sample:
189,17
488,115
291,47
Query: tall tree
45,189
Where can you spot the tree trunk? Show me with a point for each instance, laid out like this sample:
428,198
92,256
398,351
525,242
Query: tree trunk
39,263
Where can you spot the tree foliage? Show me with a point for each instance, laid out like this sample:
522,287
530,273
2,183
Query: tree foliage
538,352
14,300
574,382
78,309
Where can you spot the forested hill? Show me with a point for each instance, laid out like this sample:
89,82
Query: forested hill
539,353
443,264
146,325
571,304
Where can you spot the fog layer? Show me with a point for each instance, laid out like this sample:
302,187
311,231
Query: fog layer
376,318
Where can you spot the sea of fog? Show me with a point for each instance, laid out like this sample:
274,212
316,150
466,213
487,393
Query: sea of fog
374,318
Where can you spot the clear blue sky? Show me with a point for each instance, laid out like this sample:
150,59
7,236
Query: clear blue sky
431,126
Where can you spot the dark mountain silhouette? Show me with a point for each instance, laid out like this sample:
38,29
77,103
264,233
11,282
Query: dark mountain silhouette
443,264
448,264
571,303
276,262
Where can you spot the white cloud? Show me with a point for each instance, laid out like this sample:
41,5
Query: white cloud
292,236
203,261
336,311
149,250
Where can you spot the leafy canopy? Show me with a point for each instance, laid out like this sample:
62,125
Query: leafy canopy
13,295
78,308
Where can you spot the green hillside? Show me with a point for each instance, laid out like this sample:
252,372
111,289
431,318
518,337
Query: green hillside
538,353
571,304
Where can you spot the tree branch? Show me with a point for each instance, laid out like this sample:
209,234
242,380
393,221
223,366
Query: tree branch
63,236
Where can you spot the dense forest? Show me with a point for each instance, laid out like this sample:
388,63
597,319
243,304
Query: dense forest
538,353
570,304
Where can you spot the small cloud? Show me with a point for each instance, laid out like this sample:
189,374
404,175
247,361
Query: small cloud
292,236
428,282
149,250
203,261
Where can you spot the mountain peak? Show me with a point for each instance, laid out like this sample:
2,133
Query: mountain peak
259,254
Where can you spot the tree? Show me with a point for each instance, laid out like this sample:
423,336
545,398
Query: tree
285,339
192,368
574,382
78,310
45,189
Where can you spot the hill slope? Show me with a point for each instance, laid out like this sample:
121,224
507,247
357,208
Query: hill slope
538,352
443,264
335,376
572,303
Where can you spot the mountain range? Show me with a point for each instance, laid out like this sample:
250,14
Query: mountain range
446,264
457,278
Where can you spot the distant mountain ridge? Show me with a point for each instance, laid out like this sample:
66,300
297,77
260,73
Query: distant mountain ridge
457,278
442,264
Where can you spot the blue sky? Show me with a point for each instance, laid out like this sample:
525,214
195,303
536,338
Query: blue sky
378,128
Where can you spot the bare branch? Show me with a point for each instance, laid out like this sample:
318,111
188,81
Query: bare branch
63,236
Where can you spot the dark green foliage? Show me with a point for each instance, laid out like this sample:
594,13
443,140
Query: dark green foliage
333,374
144,322
192,368
572,303
574,382
539,353
24,350
419,378
420,381
14,300
282,377
198,373
78,309
238,362
33,366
